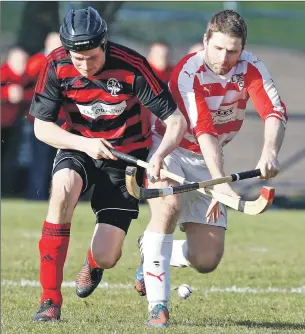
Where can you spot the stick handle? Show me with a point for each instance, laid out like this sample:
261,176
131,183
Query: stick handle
246,175
231,178
130,159
152,193
248,207
125,157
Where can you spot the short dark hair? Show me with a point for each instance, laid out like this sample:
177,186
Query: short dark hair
228,22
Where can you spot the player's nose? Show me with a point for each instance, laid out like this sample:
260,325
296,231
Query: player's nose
224,55
85,65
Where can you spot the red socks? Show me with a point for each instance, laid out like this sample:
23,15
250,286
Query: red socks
53,247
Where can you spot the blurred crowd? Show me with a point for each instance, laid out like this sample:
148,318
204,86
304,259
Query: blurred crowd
26,163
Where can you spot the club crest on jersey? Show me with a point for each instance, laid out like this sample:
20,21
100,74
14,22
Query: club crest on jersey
239,79
113,86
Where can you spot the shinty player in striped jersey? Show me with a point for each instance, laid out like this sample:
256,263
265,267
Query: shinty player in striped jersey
211,87
111,88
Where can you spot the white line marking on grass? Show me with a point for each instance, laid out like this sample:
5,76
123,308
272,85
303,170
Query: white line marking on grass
258,249
270,289
35,284
213,289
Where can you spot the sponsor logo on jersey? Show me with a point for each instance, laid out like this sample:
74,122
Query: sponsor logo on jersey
189,74
222,116
113,86
224,112
98,109
207,90
78,83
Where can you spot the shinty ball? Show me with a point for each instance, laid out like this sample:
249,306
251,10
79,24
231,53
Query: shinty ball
184,291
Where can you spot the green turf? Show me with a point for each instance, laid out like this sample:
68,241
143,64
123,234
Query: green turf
262,251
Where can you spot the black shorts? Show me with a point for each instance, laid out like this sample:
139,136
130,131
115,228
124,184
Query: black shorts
110,200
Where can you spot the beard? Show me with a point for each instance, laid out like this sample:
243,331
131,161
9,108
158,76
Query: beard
220,69
217,68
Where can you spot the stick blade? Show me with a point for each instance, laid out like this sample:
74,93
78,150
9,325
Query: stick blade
260,205
131,181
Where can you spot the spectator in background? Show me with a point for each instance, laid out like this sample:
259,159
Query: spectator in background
195,48
35,64
158,58
11,93
41,155
38,61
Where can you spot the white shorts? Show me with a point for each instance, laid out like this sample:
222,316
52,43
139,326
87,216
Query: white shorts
191,166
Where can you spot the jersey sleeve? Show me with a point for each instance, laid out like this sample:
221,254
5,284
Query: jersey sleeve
153,93
5,78
47,99
263,92
188,94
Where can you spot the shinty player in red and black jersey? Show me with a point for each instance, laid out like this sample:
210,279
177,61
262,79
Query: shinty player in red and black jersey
111,86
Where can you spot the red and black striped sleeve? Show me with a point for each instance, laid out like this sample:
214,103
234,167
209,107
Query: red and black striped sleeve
47,99
147,87
153,93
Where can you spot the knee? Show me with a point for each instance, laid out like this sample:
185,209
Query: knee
106,260
66,181
65,192
166,209
66,184
205,263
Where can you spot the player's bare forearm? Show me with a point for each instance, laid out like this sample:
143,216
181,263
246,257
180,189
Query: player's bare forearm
51,134
175,130
212,154
274,136
213,158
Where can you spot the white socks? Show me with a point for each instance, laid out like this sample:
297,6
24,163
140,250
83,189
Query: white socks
179,254
157,250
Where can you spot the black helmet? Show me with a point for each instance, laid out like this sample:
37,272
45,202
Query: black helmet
83,29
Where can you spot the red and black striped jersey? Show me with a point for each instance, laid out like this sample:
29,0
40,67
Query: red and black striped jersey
113,104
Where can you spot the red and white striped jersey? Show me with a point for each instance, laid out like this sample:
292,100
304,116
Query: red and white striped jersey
215,104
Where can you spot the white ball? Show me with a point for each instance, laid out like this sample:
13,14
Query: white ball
184,291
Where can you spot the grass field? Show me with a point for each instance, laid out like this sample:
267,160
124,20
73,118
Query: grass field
264,260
